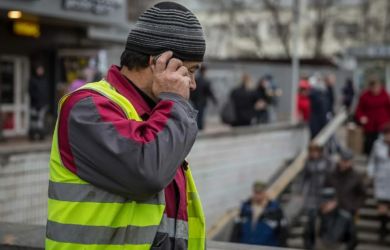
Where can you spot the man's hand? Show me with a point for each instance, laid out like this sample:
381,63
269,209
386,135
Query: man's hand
170,76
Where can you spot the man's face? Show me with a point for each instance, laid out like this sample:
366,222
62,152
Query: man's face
344,165
315,154
40,71
192,68
328,206
376,88
330,80
259,196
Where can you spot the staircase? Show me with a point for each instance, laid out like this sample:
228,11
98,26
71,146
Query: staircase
367,223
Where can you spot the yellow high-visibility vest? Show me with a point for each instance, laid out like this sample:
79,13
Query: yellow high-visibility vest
83,216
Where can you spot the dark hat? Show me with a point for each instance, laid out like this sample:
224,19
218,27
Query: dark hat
168,26
346,155
328,194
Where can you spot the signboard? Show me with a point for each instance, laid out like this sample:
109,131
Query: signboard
26,28
93,6
373,51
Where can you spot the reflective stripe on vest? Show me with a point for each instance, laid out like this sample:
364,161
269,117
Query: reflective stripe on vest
83,216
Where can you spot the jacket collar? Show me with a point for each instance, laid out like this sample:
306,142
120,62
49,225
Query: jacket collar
125,88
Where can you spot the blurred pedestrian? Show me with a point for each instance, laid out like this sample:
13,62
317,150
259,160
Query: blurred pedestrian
303,101
80,81
336,228
261,221
349,184
348,94
39,100
330,82
1,115
244,100
319,106
263,101
372,112
312,181
379,171
201,95
274,93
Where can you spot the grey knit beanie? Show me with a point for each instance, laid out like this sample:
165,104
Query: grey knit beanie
168,26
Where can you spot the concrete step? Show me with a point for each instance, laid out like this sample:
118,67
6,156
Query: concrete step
368,214
298,244
363,236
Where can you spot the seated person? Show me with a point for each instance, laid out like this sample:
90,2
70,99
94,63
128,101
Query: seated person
261,221
336,228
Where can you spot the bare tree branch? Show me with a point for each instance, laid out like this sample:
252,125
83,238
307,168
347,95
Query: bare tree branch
283,33
321,8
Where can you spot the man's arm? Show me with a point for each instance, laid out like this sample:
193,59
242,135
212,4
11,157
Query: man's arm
133,159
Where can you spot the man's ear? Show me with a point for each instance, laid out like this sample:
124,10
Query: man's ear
151,61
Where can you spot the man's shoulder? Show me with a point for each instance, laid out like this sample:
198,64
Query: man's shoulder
86,97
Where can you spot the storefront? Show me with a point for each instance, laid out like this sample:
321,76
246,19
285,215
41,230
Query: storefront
371,61
65,36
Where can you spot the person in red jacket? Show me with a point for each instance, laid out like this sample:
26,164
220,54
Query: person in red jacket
372,112
303,101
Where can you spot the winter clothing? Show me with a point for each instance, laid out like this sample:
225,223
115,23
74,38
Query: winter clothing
312,181
261,94
200,96
336,229
376,108
39,92
39,99
270,229
168,26
379,169
244,101
350,188
97,127
348,93
319,108
304,107
329,100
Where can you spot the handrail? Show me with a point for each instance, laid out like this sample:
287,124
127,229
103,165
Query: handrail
297,165
289,174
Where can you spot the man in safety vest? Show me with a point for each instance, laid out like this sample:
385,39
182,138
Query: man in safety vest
118,175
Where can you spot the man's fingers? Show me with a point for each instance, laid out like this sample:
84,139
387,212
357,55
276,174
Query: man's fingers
183,71
162,60
174,64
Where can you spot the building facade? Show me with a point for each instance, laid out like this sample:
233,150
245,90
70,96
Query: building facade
65,36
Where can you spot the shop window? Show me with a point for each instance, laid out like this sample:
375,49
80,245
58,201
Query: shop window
6,82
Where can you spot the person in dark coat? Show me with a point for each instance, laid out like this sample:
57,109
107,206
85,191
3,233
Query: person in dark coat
263,100
312,182
244,100
348,93
336,227
319,108
39,100
349,184
201,95
372,112
261,221
330,81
